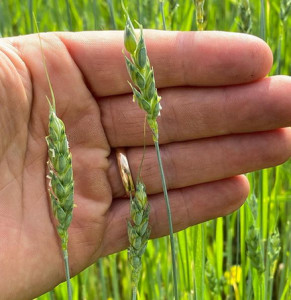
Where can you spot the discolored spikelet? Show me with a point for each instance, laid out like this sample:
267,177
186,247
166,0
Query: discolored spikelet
138,231
200,14
61,187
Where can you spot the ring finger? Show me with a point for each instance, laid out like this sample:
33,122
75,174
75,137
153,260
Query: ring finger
204,160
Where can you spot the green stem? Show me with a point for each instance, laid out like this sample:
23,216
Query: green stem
67,269
134,293
52,295
30,5
263,21
111,12
169,219
163,14
102,279
70,24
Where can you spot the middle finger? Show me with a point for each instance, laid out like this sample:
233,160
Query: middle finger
198,112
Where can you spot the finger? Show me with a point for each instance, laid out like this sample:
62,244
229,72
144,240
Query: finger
189,206
205,160
179,58
74,103
191,113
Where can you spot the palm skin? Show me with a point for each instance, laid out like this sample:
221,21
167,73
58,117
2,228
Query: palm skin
89,80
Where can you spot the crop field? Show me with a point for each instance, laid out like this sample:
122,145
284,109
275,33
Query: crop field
245,255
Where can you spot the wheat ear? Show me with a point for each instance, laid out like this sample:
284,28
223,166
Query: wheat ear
61,182
245,15
145,94
138,233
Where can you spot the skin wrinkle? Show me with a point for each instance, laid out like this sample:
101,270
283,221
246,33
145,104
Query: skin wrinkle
87,84
15,43
114,131
184,63
169,165
14,55
175,119
97,64
8,59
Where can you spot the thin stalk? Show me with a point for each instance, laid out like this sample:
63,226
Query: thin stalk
52,295
187,262
181,247
169,219
229,233
30,5
96,14
67,269
242,234
70,24
114,275
139,11
279,48
199,261
102,279
111,10
263,21
219,238
163,14
134,293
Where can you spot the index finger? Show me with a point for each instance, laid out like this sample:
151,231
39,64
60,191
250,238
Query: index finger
178,58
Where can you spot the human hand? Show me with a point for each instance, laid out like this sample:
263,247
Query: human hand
220,118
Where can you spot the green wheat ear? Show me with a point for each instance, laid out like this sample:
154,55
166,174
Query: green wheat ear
138,231
142,75
245,16
61,187
61,181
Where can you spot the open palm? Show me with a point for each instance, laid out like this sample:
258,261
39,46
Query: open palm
219,119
